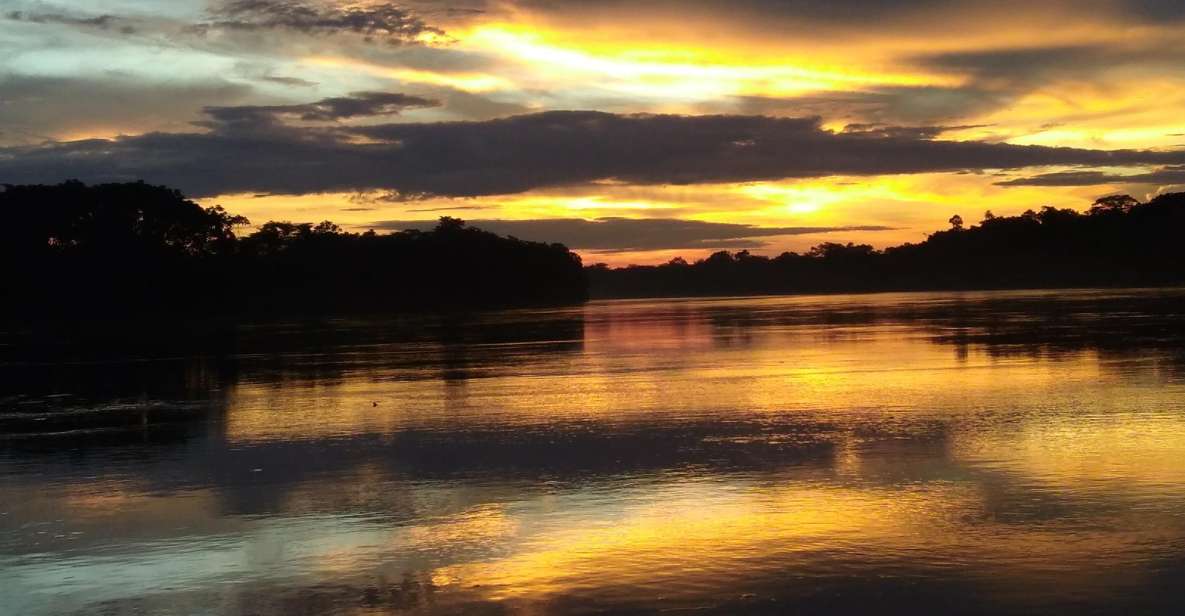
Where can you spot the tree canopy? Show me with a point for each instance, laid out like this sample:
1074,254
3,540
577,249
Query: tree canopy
126,249
1118,241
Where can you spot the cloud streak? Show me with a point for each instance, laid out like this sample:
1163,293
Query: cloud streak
357,104
1162,176
247,150
100,22
385,22
613,234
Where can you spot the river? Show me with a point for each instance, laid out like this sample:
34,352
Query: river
993,452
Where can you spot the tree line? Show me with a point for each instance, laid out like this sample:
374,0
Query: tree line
1119,241
72,250
133,249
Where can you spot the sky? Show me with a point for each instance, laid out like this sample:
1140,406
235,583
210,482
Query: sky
633,131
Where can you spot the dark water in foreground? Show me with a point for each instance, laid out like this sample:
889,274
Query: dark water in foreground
1005,452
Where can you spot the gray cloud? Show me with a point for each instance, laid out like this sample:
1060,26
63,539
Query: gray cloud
831,11
927,105
254,152
1005,74
856,12
909,132
1032,66
1155,9
1162,176
623,234
389,23
455,208
100,22
357,104
288,81
474,106
31,108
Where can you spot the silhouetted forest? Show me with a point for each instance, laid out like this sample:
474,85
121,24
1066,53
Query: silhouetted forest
134,249
1118,242
131,249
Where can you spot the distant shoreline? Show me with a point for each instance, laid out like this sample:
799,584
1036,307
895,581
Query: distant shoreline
1177,285
110,252
1119,242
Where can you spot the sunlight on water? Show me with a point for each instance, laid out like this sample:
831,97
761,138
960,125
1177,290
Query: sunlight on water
990,452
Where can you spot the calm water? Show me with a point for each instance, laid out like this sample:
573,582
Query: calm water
1012,452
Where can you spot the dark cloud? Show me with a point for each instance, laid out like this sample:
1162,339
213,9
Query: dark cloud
475,106
994,78
288,81
357,104
858,13
997,78
1162,176
396,196
1008,73
252,151
909,105
101,22
385,22
842,11
909,132
1020,69
1156,10
624,234
455,208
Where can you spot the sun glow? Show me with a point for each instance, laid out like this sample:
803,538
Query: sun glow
468,82
678,72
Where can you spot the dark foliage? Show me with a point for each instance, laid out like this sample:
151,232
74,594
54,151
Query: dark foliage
76,251
1120,241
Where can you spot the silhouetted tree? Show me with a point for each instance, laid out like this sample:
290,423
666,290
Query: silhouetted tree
1122,242
135,249
448,224
1113,204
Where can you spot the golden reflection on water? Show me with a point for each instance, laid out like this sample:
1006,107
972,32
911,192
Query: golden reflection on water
676,455
702,542
702,534
1142,454
627,373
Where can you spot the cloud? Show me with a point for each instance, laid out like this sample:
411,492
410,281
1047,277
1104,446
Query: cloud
357,104
288,81
1005,74
253,151
627,234
1155,10
100,22
1028,67
454,208
887,105
386,22
859,13
914,132
474,106
1162,176
34,108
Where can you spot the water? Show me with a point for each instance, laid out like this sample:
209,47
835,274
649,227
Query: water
1003,452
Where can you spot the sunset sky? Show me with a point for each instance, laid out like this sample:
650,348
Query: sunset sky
633,131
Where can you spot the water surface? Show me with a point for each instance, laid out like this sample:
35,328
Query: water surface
1002,452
